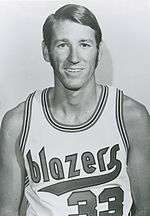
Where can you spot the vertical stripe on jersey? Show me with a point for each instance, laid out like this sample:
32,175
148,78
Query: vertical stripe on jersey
74,128
119,119
25,128
26,182
120,123
26,121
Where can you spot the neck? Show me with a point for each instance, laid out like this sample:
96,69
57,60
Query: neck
74,105
74,99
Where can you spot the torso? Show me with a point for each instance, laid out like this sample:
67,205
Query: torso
76,169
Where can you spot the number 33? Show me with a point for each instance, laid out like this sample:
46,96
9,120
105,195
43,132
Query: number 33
114,197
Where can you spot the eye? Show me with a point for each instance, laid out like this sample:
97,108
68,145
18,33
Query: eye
62,45
85,45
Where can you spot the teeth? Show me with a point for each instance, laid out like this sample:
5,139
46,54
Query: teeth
73,70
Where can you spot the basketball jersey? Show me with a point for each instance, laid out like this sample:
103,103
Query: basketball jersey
76,170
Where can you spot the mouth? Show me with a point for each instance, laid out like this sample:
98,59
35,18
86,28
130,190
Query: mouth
74,70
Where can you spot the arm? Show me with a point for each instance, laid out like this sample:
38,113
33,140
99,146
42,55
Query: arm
137,122
11,163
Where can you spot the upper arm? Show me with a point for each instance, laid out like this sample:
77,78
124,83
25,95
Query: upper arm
11,163
137,122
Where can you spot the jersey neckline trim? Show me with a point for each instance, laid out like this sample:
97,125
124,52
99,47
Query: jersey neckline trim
74,128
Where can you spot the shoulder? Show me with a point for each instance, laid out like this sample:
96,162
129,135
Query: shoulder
137,121
12,122
137,124
134,111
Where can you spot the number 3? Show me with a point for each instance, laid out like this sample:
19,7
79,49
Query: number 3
83,196
114,197
87,202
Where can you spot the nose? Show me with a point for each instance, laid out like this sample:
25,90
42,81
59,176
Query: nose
73,56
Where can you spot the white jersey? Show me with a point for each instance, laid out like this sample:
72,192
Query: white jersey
76,169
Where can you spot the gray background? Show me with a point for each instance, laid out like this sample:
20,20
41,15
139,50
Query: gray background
126,47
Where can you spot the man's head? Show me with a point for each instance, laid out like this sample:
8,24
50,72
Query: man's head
74,13
71,44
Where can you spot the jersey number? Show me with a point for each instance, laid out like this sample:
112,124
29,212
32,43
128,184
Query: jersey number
87,202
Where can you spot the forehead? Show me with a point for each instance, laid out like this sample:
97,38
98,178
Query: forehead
70,30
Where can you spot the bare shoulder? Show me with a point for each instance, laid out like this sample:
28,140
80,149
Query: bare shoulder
12,123
11,160
137,120
137,124
134,110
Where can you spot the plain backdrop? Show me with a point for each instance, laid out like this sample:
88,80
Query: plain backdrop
126,47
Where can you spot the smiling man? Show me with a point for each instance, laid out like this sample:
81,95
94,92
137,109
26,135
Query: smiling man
78,148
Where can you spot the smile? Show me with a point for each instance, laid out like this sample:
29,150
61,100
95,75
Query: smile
72,70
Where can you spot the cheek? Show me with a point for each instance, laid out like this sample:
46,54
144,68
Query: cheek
61,55
91,59
89,55
59,59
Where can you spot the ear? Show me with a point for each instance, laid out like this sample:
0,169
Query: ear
100,51
45,52
99,54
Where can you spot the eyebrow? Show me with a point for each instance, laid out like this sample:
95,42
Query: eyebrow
86,40
60,40
66,40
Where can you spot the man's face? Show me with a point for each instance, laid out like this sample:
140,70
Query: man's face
73,54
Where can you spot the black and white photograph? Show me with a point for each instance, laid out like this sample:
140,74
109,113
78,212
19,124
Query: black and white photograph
74,108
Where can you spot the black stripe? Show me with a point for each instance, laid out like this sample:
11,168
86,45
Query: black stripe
57,123
75,128
122,121
25,128
26,178
119,118
25,117
26,185
26,122
26,182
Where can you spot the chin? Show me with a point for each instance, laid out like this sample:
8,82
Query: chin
73,87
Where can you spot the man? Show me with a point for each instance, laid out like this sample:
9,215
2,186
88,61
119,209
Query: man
79,148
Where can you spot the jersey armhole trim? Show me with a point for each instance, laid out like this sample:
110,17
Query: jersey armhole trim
25,129
120,120
26,181
26,121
